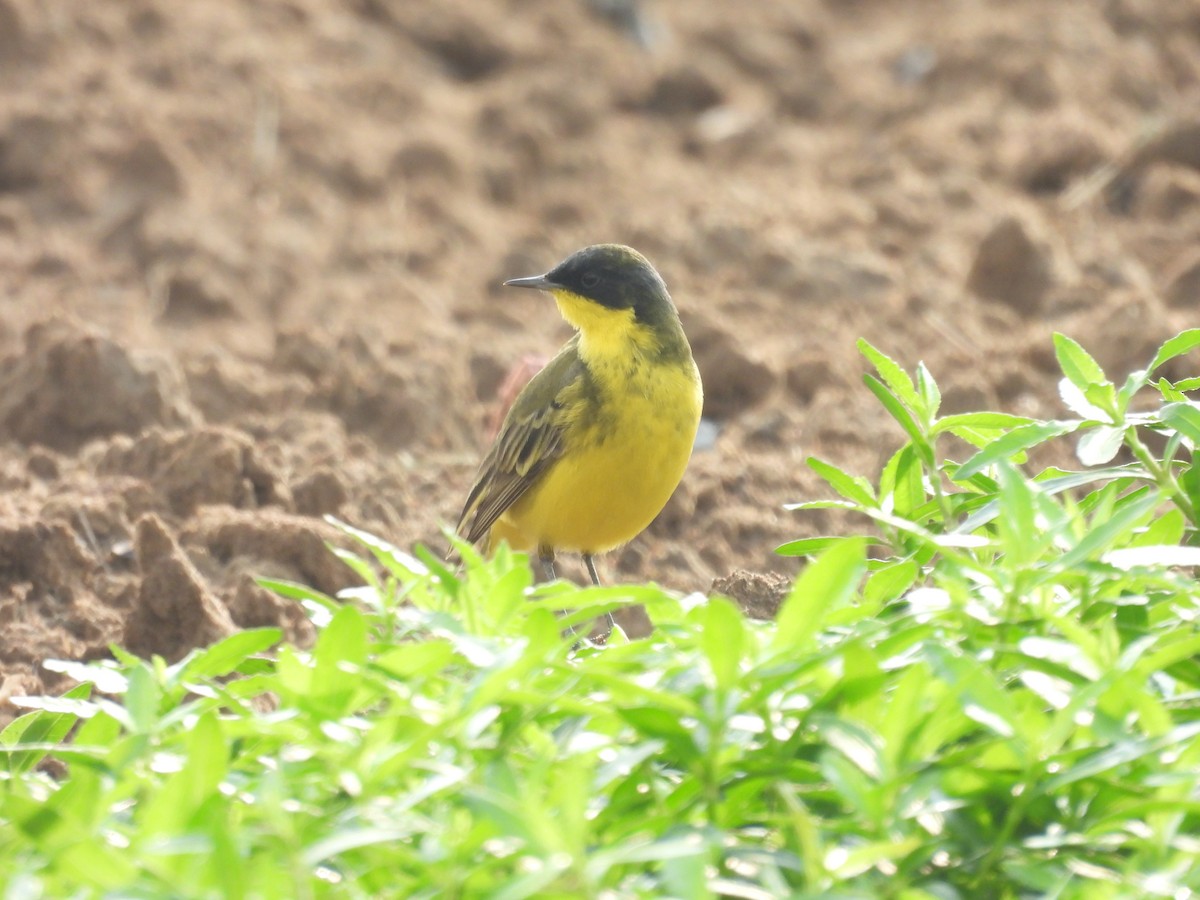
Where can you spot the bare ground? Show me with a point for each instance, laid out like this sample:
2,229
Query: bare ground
250,257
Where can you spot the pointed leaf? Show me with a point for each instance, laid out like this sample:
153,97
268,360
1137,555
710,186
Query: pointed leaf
1098,538
1134,382
1076,363
807,546
42,728
1099,445
854,488
1187,384
980,421
229,653
1184,418
1016,441
891,372
826,583
930,393
904,476
1077,402
722,637
1182,343
902,416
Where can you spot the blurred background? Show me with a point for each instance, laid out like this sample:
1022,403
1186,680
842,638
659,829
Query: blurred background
250,257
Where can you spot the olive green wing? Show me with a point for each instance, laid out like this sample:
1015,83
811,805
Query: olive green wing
530,440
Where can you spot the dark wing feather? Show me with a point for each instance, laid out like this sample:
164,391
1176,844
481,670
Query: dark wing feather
530,440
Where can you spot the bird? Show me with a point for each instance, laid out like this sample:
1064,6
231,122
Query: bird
596,443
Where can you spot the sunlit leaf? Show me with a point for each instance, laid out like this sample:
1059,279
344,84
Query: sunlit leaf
826,583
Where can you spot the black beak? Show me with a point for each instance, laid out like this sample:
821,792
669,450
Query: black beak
537,282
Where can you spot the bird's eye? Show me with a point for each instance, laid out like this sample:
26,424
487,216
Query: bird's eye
590,280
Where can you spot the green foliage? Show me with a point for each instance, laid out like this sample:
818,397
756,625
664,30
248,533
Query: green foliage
1053,621
998,700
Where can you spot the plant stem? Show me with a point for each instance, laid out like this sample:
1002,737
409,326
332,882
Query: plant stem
1163,476
1003,841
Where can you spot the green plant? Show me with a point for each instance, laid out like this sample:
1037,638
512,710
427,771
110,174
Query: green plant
1056,624
1000,700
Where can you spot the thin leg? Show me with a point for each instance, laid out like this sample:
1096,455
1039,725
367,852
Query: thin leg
546,557
591,567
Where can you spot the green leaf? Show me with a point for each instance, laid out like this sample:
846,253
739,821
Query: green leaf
1062,652
1124,752
722,636
1076,363
822,504
172,807
1016,441
1134,382
903,417
657,722
328,685
807,546
1099,445
359,566
41,727
1101,537
344,640
864,857
825,584
419,659
984,421
1189,479
103,674
437,567
1165,529
1176,390
143,698
892,374
1171,653
903,480
1184,418
95,863
317,606
889,581
930,395
1082,404
854,488
980,695
229,653
403,565
1182,343
1018,510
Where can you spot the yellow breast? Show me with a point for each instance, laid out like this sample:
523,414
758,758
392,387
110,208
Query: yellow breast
624,459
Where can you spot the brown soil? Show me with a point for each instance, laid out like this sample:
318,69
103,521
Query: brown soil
250,257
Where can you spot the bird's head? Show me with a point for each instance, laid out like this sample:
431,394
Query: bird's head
605,287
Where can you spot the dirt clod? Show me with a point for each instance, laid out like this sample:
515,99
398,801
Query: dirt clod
320,494
733,380
175,610
271,544
759,594
683,90
1168,192
252,606
1011,268
196,468
69,384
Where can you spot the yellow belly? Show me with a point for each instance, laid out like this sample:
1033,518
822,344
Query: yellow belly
610,486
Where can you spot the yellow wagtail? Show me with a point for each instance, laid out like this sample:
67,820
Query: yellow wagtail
595,444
